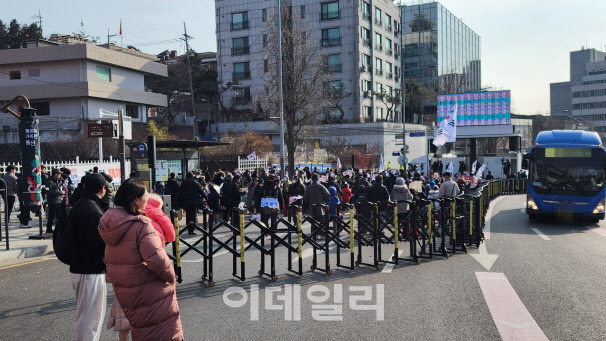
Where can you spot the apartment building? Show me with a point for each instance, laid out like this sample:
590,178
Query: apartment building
359,38
72,83
589,96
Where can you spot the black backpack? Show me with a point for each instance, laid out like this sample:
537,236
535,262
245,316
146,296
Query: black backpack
64,240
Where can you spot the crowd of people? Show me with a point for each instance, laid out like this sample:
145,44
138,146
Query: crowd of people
120,235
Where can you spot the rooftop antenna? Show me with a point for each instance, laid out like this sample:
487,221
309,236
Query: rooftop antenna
39,17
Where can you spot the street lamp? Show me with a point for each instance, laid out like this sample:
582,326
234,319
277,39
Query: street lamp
281,91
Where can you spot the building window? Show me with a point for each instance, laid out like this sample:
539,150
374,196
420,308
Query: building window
33,72
379,113
378,66
42,108
335,89
104,74
388,46
378,42
302,12
239,21
334,63
265,40
241,70
132,111
14,75
366,9
264,14
366,85
378,16
388,22
388,90
266,66
330,10
366,39
389,70
331,37
378,88
240,46
367,60
242,95
368,113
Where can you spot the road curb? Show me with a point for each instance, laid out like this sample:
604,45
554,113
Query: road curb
25,252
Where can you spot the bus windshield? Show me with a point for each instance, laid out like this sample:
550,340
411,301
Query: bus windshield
567,171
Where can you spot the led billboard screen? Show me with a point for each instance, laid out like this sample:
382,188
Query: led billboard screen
478,108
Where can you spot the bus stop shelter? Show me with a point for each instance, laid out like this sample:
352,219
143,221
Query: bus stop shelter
171,157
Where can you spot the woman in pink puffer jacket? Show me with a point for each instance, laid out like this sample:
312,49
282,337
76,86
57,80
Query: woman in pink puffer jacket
139,268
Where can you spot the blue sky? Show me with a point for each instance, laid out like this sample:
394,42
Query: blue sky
525,43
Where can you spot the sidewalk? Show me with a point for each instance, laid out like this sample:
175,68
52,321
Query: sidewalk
21,246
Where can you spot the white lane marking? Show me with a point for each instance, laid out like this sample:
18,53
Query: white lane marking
489,217
511,317
388,268
597,229
523,210
541,234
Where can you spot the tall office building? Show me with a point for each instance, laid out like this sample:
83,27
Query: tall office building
439,50
589,95
561,100
360,40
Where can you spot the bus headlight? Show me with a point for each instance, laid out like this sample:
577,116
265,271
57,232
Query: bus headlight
530,203
600,208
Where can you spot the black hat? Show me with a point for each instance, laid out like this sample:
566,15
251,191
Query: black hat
237,177
93,183
446,174
56,171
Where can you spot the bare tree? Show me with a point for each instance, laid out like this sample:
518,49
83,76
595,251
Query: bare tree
307,94
391,99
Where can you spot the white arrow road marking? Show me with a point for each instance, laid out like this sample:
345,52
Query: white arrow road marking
597,229
541,234
485,259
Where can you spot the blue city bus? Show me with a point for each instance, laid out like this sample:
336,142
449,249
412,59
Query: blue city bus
566,175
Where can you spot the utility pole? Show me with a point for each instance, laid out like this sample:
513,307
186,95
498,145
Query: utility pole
191,82
39,17
281,91
109,36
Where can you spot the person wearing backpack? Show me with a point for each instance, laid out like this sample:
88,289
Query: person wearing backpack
87,264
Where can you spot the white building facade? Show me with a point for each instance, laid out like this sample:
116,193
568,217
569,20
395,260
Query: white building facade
70,84
360,40
589,97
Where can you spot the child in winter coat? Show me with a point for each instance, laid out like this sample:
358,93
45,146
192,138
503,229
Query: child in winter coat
164,227
332,202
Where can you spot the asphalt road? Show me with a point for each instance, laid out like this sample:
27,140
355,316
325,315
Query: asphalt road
540,286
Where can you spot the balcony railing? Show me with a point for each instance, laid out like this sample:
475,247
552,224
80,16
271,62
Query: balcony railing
379,72
388,27
330,15
240,50
331,42
366,42
241,75
396,56
388,51
379,47
334,67
366,68
366,16
378,22
242,25
389,75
